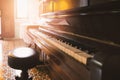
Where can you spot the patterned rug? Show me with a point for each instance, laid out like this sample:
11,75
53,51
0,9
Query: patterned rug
40,72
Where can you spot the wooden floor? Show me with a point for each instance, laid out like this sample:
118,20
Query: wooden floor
5,47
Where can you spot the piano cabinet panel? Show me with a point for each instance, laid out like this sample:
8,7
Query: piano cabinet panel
70,68
111,68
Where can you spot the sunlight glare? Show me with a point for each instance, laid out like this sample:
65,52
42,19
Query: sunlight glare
18,73
22,8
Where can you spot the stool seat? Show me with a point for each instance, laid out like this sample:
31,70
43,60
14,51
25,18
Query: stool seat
23,52
23,58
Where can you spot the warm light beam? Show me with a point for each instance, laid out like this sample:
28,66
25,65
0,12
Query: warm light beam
22,8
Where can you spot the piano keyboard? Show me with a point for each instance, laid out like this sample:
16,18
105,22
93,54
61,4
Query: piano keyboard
77,54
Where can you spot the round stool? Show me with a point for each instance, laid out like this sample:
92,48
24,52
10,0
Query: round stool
23,58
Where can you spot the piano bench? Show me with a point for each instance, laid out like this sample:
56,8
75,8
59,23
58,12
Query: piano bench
23,58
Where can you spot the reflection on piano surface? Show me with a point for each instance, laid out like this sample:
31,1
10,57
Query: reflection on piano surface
86,49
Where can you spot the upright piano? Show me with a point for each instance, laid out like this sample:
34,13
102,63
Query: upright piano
80,43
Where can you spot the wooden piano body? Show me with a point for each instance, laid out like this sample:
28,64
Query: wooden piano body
86,49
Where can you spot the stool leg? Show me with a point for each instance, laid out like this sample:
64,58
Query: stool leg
24,75
17,78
